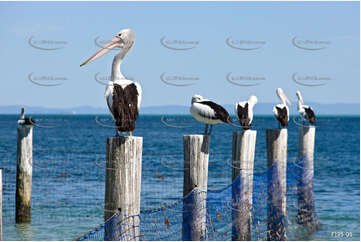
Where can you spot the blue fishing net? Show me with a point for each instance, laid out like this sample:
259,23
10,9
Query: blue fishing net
225,213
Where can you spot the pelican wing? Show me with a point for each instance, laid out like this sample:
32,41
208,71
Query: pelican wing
125,107
219,112
26,121
243,116
310,114
281,114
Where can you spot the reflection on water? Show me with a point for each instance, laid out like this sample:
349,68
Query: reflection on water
24,231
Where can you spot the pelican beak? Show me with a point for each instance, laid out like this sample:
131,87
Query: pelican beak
288,101
115,42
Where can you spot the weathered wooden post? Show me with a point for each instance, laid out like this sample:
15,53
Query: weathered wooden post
306,205
1,204
196,154
276,187
24,172
243,149
122,187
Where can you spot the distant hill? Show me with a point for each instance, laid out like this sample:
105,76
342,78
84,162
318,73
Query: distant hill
15,109
260,108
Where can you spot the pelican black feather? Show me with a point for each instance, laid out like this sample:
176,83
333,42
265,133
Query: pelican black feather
243,116
282,116
219,111
125,107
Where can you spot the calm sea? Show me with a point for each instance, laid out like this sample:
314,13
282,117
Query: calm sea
69,172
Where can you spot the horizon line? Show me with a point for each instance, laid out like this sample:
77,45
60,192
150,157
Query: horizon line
162,105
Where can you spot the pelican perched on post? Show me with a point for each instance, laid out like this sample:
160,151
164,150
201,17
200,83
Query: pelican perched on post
23,120
208,112
305,111
281,111
244,111
123,96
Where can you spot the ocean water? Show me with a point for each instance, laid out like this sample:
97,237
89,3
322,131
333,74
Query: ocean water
69,170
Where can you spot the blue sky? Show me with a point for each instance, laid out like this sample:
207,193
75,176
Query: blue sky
74,26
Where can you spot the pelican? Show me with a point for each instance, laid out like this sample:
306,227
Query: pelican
305,111
25,121
244,111
123,96
208,112
281,110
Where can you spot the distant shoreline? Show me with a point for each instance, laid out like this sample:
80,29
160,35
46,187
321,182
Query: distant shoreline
260,109
160,114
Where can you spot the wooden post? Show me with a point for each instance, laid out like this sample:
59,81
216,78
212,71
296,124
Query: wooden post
24,172
1,205
306,204
276,187
243,149
196,154
122,187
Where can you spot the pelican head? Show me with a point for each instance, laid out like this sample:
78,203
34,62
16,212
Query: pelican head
124,39
298,94
196,98
22,114
252,100
282,96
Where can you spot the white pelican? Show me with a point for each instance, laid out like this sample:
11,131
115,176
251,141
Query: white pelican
244,111
281,111
25,121
305,111
123,96
208,112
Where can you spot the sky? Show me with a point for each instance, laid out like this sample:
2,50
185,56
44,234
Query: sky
222,51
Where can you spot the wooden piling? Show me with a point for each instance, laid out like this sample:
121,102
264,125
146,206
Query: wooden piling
196,155
243,149
122,187
276,140
24,172
1,205
306,205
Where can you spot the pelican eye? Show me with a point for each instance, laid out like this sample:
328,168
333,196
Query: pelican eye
119,35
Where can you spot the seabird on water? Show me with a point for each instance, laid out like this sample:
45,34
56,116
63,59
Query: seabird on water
123,96
208,112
